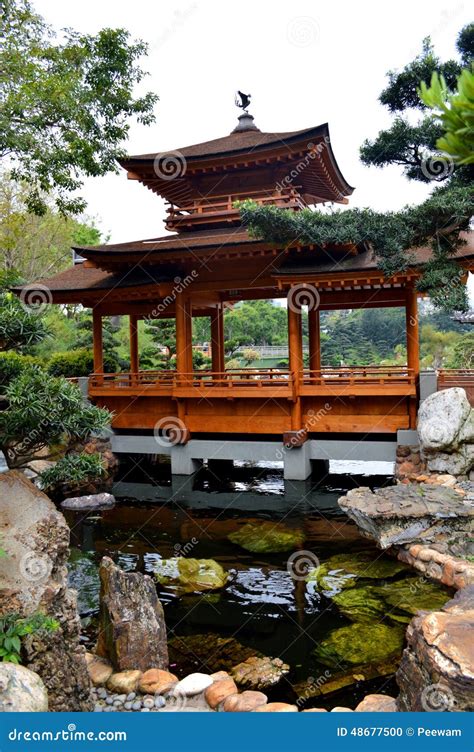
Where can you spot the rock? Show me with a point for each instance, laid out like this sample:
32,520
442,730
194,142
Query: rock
124,681
193,684
413,594
315,710
33,578
341,709
220,675
268,537
412,513
361,604
245,702
276,707
259,673
219,690
21,690
437,668
99,669
441,417
455,463
377,704
91,502
132,630
190,575
359,643
156,681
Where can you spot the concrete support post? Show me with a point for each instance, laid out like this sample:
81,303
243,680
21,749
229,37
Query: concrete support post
297,463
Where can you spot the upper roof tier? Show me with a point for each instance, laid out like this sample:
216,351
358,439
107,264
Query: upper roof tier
247,162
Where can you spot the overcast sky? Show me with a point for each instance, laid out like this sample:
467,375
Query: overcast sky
304,63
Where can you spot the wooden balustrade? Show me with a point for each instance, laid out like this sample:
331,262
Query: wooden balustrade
462,377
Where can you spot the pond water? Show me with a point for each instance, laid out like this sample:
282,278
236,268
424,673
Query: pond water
262,606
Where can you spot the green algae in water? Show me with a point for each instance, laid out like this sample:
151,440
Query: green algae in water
360,643
413,594
361,604
190,575
366,566
331,581
267,538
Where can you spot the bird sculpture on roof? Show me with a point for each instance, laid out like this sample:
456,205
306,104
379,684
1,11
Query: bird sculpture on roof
242,100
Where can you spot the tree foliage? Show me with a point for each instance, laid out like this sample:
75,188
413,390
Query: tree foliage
65,103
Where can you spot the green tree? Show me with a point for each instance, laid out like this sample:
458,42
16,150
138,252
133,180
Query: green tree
66,103
463,352
435,346
21,326
163,336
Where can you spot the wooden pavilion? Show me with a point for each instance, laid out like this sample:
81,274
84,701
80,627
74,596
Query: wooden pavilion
208,261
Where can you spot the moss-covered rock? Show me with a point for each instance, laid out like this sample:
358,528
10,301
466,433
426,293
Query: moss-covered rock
268,537
360,643
367,566
361,604
190,575
331,581
412,594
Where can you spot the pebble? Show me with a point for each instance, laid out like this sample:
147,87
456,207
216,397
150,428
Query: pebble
117,703
149,703
131,696
109,700
97,708
122,698
160,702
136,705
145,710
127,705
102,693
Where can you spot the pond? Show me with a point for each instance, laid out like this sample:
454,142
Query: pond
341,634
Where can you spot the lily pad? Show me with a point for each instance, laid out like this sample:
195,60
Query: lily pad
361,604
413,594
190,575
268,537
360,643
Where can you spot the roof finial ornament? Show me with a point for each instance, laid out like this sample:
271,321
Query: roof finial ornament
242,100
245,119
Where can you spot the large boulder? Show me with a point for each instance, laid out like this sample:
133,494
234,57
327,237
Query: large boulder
441,418
132,630
21,690
437,668
408,513
89,503
33,574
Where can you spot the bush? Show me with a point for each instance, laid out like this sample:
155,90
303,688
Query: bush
73,470
13,628
78,363
12,365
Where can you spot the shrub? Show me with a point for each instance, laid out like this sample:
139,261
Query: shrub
78,363
13,628
12,365
73,469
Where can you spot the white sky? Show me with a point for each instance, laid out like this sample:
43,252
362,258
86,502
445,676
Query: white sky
304,63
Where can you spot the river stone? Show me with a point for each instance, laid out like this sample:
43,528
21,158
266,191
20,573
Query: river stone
33,578
219,690
99,669
359,643
268,537
156,681
377,704
413,513
259,673
190,575
244,702
437,668
193,684
21,690
124,681
361,604
441,417
132,630
91,502
454,463
276,707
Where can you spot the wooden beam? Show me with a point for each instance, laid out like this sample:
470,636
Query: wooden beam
314,339
97,342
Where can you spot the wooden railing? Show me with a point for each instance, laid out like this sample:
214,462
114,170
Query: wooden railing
360,374
462,377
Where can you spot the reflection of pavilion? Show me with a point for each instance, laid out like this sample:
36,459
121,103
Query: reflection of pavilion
210,262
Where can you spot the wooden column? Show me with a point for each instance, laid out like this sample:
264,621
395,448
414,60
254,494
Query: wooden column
413,347
189,336
217,340
97,342
181,334
133,325
295,361
314,339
